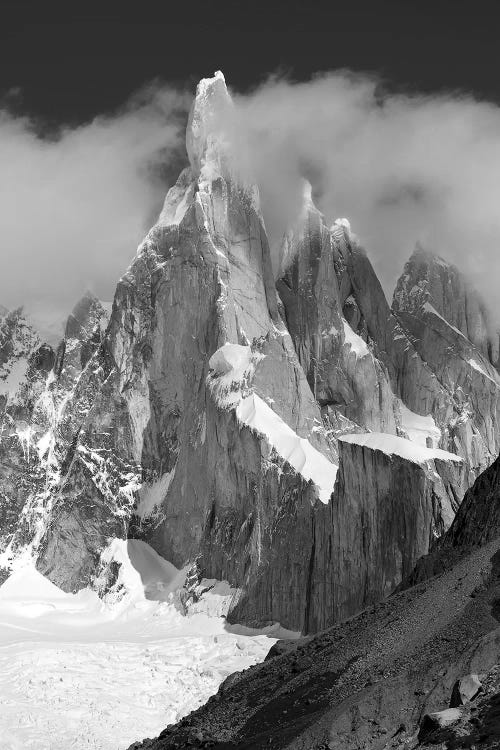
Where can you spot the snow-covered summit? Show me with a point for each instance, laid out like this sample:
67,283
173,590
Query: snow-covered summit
211,152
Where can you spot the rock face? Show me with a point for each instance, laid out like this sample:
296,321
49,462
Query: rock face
386,678
289,434
386,516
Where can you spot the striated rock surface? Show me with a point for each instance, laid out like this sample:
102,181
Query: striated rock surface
390,507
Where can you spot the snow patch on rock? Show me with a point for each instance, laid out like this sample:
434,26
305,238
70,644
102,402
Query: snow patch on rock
420,429
213,598
151,496
142,573
231,369
298,452
178,199
356,343
479,368
431,309
398,446
14,377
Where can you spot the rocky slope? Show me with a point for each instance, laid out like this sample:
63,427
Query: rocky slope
282,430
381,679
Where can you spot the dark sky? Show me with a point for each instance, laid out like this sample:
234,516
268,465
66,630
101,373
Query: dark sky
71,60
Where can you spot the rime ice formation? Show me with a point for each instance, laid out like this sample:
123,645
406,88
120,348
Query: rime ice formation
293,437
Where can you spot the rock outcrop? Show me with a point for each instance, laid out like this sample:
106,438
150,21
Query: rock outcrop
476,725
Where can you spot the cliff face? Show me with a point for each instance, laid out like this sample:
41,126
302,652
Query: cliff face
476,523
285,435
389,510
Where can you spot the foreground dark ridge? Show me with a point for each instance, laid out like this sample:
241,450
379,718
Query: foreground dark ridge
368,681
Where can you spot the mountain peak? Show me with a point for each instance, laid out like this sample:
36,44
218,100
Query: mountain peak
423,255
204,138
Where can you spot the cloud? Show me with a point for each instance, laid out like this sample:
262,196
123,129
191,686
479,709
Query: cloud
74,204
403,168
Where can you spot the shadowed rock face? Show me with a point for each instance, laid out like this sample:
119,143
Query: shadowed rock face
386,516
205,417
478,521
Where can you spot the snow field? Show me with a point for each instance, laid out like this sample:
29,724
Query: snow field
78,672
105,695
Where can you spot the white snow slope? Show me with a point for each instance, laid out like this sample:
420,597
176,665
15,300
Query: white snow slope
231,370
299,452
398,446
78,673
